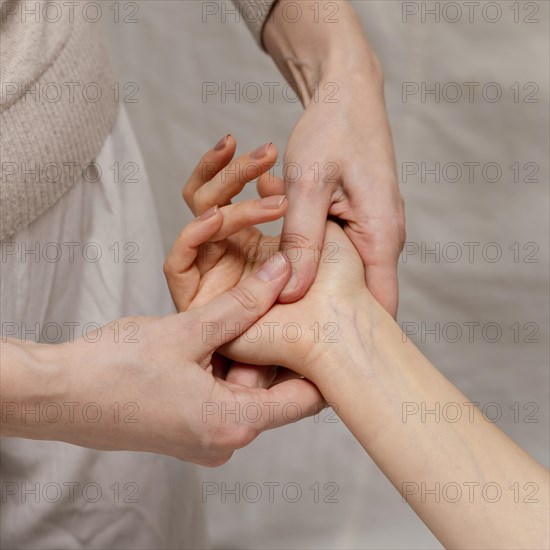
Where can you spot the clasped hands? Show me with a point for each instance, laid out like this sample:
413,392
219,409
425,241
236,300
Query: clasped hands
277,352
232,362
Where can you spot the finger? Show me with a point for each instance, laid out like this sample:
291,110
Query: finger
284,374
210,164
289,402
179,267
380,257
236,217
303,235
220,365
249,213
269,184
230,181
252,376
233,312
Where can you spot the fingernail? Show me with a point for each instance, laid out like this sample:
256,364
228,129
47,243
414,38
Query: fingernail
211,212
292,282
222,143
260,152
272,202
272,268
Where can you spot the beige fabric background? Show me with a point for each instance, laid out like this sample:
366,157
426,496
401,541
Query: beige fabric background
170,52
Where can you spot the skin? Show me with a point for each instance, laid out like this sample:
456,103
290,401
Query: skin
344,134
364,193
177,392
371,374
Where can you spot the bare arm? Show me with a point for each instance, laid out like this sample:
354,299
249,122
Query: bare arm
469,483
148,384
467,480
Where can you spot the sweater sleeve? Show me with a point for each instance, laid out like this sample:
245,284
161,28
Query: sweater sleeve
255,14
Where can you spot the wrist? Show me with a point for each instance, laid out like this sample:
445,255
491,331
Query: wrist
370,347
317,46
348,332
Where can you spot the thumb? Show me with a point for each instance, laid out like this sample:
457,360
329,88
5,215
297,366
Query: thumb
233,312
303,236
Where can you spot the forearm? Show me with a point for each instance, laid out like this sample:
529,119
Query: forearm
60,392
70,392
380,379
32,376
325,40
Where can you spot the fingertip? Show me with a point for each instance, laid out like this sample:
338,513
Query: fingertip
273,202
221,145
209,214
274,268
267,153
272,151
295,288
268,184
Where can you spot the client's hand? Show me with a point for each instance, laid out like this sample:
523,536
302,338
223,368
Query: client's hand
201,265
231,247
292,335
234,247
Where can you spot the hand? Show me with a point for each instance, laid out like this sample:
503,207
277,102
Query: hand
210,257
339,159
349,147
292,335
231,247
160,371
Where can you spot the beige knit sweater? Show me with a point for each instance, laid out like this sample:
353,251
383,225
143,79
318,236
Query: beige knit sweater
57,101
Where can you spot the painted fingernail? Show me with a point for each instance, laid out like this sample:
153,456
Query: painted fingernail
222,143
273,202
211,212
272,268
292,282
260,152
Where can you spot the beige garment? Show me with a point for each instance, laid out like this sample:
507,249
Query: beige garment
60,496
59,96
57,106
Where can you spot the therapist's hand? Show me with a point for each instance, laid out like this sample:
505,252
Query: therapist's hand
149,384
340,158
353,176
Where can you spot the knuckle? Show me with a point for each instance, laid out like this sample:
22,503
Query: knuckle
167,268
199,200
219,460
245,297
402,235
216,460
246,434
228,435
236,436
187,195
290,240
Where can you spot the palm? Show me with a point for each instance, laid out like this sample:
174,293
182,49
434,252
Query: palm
310,320
222,264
